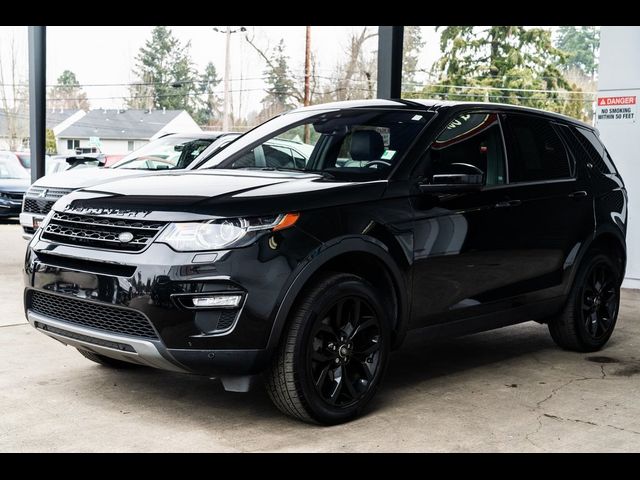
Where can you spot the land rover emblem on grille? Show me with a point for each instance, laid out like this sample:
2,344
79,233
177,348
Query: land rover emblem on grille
43,193
125,237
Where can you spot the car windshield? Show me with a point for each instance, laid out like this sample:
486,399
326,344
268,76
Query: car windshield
165,153
220,143
354,143
25,159
10,169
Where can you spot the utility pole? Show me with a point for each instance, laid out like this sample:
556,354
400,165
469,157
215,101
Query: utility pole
307,78
307,67
227,71
227,67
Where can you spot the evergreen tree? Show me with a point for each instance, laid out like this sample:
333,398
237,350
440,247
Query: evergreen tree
509,64
167,78
67,94
210,105
581,45
411,46
280,85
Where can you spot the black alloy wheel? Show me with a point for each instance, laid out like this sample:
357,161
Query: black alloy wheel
591,311
344,351
600,300
333,355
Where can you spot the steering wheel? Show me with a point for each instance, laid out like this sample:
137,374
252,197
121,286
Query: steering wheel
149,161
468,165
373,163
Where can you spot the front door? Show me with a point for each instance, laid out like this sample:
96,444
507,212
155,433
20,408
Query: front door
462,241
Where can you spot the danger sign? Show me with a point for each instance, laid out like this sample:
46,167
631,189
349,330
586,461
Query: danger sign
606,101
620,109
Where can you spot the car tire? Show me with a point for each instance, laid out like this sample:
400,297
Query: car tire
590,314
106,361
333,353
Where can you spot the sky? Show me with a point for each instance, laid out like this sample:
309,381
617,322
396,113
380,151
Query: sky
106,55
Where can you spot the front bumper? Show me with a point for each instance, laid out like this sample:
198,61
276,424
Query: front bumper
28,221
10,208
155,282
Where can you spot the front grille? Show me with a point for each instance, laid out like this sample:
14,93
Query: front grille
41,199
15,196
100,232
89,314
32,205
54,193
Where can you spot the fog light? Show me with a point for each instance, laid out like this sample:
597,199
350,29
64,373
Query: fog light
223,301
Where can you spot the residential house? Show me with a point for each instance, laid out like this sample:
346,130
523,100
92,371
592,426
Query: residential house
56,120
122,131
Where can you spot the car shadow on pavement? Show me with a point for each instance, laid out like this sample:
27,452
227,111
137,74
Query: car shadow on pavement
9,221
418,361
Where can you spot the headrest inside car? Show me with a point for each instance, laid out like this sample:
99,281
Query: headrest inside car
366,145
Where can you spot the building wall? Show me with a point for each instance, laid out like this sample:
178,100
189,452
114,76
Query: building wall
619,75
109,147
183,123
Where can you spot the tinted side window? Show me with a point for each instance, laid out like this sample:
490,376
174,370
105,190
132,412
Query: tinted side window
470,144
595,149
536,151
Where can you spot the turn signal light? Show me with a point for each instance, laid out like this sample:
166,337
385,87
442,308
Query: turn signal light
288,220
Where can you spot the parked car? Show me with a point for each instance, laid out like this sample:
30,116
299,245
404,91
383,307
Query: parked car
448,217
23,158
172,151
14,181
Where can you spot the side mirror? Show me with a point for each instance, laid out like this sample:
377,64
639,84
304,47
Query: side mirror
453,183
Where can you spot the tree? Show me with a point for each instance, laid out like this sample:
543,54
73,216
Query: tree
50,142
510,64
282,93
210,105
14,100
67,94
165,72
412,44
581,44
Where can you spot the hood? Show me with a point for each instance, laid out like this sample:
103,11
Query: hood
86,177
14,184
220,193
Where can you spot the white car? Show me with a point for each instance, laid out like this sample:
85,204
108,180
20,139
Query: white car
169,152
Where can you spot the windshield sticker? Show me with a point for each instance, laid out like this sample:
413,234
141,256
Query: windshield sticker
388,155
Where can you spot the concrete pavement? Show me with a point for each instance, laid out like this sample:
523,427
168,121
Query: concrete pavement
509,390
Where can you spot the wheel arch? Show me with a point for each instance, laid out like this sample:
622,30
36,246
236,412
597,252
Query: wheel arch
606,238
364,256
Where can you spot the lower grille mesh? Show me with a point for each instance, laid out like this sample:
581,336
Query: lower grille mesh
88,314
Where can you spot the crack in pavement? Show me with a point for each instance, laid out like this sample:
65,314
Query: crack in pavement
587,422
14,325
554,391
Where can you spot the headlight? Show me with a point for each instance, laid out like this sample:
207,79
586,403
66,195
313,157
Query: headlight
222,233
4,196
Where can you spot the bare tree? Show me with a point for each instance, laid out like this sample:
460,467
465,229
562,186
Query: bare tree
356,69
13,96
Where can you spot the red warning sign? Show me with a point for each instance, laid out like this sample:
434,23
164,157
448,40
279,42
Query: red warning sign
609,101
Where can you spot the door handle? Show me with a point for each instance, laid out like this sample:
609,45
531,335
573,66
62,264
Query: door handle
579,193
508,203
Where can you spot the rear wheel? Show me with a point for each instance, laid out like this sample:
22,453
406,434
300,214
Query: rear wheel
334,352
591,312
106,361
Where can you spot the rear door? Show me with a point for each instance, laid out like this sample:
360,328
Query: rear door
551,204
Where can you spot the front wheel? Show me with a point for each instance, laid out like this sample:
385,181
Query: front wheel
591,312
333,354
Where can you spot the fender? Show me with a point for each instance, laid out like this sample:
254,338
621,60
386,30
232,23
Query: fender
329,250
604,228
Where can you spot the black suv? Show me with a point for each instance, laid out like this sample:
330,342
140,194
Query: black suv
449,217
